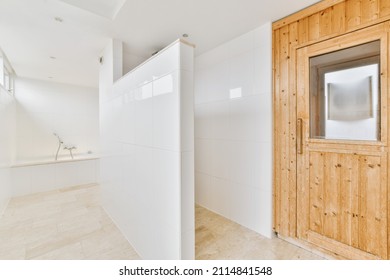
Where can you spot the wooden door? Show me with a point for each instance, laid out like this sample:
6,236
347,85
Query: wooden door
342,184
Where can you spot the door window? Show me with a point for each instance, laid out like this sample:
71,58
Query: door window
345,94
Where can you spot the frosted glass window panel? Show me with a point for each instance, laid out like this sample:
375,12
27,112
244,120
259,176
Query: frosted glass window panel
351,100
357,112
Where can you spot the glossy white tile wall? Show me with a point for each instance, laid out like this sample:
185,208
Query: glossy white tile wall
146,121
7,125
46,107
233,130
46,177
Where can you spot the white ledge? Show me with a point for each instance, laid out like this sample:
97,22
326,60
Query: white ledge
51,161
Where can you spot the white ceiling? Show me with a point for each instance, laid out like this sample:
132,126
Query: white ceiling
30,35
108,9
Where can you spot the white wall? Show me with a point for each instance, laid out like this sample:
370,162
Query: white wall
146,120
46,107
233,130
7,132
131,61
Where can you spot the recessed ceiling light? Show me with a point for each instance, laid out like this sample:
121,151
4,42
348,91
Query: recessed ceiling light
185,35
53,57
58,19
50,77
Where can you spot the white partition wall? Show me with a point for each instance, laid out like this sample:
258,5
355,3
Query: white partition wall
147,173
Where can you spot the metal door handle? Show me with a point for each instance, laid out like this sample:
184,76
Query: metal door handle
299,135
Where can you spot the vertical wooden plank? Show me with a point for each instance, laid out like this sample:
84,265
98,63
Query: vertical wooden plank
374,9
385,192
355,198
316,191
370,206
303,158
276,126
353,13
314,27
303,30
383,251
384,94
386,204
384,8
292,101
369,10
362,204
331,195
325,24
345,199
284,126
338,18
375,217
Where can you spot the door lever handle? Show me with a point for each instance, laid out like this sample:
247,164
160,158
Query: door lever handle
299,135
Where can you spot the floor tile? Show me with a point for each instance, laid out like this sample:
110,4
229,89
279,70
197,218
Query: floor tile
218,238
71,224
63,224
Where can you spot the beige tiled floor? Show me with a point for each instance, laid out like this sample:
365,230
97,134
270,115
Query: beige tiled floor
62,224
71,224
220,238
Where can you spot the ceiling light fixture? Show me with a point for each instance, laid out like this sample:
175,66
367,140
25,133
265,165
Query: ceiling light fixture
185,35
58,19
50,77
52,57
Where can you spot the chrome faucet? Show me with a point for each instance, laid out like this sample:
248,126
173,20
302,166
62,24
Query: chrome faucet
70,148
59,145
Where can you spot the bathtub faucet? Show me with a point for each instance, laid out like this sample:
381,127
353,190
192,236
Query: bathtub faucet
59,144
70,148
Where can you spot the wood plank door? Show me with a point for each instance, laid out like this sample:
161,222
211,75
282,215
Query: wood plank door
342,144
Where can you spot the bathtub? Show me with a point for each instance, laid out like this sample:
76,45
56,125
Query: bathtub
45,174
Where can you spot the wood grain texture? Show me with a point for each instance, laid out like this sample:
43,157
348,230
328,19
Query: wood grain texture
331,18
344,222
305,13
293,41
303,30
347,208
369,10
371,220
330,202
384,8
276,123
338,18
327,22
316,195
314,27
302,162
339,248
353,13
285,129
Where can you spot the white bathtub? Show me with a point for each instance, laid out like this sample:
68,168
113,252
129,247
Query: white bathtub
32,176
